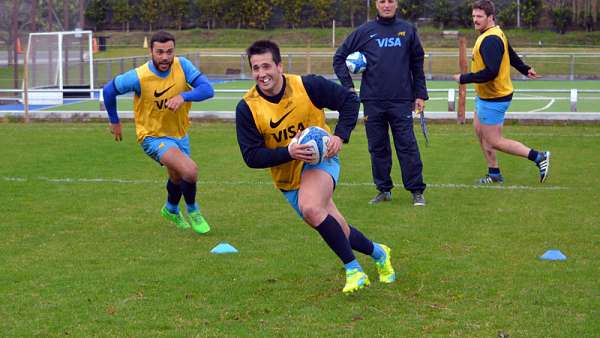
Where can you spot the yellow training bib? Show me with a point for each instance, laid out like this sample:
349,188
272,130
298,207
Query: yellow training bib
502,84
279,122
152,117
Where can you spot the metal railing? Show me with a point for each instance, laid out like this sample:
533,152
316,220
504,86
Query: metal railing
438,65
573,97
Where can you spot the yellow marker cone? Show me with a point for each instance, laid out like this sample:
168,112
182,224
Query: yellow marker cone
145,42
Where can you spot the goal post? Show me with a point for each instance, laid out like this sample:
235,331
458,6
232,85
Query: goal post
58,65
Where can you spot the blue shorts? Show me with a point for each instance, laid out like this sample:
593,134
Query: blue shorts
491,112
330,166
155,147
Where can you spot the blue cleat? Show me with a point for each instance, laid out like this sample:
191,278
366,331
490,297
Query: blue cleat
544,165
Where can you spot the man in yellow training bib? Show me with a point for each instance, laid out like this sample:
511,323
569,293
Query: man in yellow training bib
268,118
164,89
490,71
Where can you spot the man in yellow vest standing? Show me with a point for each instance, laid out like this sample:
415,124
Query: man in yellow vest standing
164,89
490,71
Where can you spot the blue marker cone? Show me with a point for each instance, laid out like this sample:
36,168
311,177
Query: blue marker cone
553,255
222,248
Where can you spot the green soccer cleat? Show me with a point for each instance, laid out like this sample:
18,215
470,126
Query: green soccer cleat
175,218
199,224
385,268
355,280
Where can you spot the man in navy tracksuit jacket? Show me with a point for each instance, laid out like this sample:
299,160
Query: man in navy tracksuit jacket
392,86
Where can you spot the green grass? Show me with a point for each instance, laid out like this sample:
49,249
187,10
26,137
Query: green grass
85,252
321,38
588,102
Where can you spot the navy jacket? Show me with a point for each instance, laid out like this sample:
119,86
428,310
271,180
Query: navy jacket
394,61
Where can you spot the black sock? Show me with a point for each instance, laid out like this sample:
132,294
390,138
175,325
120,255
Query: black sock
494,171
333,235
173,193
189,192
360,242
533,154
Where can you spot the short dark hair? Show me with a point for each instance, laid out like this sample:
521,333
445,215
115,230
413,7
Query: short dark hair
162,37
485,5
262,47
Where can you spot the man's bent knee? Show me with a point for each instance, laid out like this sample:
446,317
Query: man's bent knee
313,214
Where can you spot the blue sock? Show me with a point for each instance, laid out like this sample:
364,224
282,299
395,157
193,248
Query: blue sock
174,209
353,265
494,171
534,155
173,197
332,233
189,194
192,208
378,253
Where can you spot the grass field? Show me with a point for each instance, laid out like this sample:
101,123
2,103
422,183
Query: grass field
523,102
84,251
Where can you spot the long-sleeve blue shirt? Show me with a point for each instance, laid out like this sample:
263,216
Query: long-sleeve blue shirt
129,82
394,61
323,94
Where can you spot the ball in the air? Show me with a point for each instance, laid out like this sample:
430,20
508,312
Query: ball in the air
356,62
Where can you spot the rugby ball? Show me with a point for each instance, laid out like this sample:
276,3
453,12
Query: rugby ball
317,138
356,62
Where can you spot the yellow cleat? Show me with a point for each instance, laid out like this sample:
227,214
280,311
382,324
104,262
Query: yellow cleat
385,268
355,280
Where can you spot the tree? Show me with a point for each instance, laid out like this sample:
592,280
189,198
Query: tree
320,12
442,13
351,9
292,11
561,17
177,11
14,17
410,9
96,13
122,13
256,13
508,16
149,11
464,13
210,12
530,12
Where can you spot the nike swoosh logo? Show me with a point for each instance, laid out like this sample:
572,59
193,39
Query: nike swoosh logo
159,94
276,124
373,35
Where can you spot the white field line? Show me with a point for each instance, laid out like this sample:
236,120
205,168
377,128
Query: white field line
544,107
269,183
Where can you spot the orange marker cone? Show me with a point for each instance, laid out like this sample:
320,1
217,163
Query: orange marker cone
18,46
95,45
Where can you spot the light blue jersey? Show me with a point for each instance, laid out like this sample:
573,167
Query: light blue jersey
129,81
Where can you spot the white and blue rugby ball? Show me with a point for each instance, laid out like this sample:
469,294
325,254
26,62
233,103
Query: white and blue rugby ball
356,62
318,138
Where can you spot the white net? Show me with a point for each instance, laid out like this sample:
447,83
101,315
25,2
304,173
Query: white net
59,65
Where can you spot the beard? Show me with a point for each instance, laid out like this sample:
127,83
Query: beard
157,64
